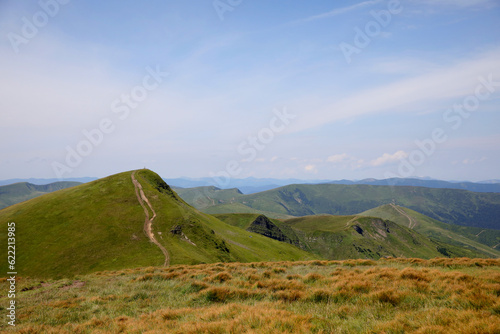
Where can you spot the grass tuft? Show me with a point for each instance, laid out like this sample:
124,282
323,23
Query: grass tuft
389,296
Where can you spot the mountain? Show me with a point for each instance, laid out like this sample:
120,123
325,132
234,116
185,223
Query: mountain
253,185
47,181
264,226
212,200
247,185
127,220
203,197
349,237
484,241
452,206
429,183
490,181
23,191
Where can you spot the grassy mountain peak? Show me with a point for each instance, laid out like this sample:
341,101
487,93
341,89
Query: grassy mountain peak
101,226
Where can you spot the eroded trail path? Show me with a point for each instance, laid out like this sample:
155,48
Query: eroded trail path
148,222
412,223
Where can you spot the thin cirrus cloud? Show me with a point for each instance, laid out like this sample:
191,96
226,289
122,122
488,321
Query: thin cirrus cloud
456,3
338,11
414,94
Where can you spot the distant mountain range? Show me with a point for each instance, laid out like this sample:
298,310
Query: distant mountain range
23,191
452,206
47,181
253,185
487,186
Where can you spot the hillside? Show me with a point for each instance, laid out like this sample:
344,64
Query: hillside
351,237
203,197
451,206
101,226
242,208
269,227
480,240
23,191
37,181
353,296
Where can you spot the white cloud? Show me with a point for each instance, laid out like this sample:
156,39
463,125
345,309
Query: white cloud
311,169
473,161
337,158
387,158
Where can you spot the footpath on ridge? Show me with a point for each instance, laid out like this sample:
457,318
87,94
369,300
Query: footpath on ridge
148,222
412,223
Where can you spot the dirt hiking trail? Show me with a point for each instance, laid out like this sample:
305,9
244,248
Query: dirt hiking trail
412,223
148,222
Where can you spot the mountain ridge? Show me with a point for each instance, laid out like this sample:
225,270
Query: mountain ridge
356,236
101,226
23,191
460,236
453,206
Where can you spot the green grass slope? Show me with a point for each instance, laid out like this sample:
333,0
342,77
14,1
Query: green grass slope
477,239
100,226
353,237
245,220
202,197
242,208
347,237
23,191
451,206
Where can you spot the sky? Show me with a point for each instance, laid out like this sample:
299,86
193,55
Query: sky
237,88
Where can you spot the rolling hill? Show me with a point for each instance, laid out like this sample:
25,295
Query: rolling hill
451,206
203,197
480,240
23,191
348,237
47,181
101,225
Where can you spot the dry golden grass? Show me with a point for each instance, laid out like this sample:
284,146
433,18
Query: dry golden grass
386,296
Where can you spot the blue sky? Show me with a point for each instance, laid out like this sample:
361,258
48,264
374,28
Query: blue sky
282,89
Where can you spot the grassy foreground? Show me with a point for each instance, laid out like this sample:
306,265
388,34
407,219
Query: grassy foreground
352,296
